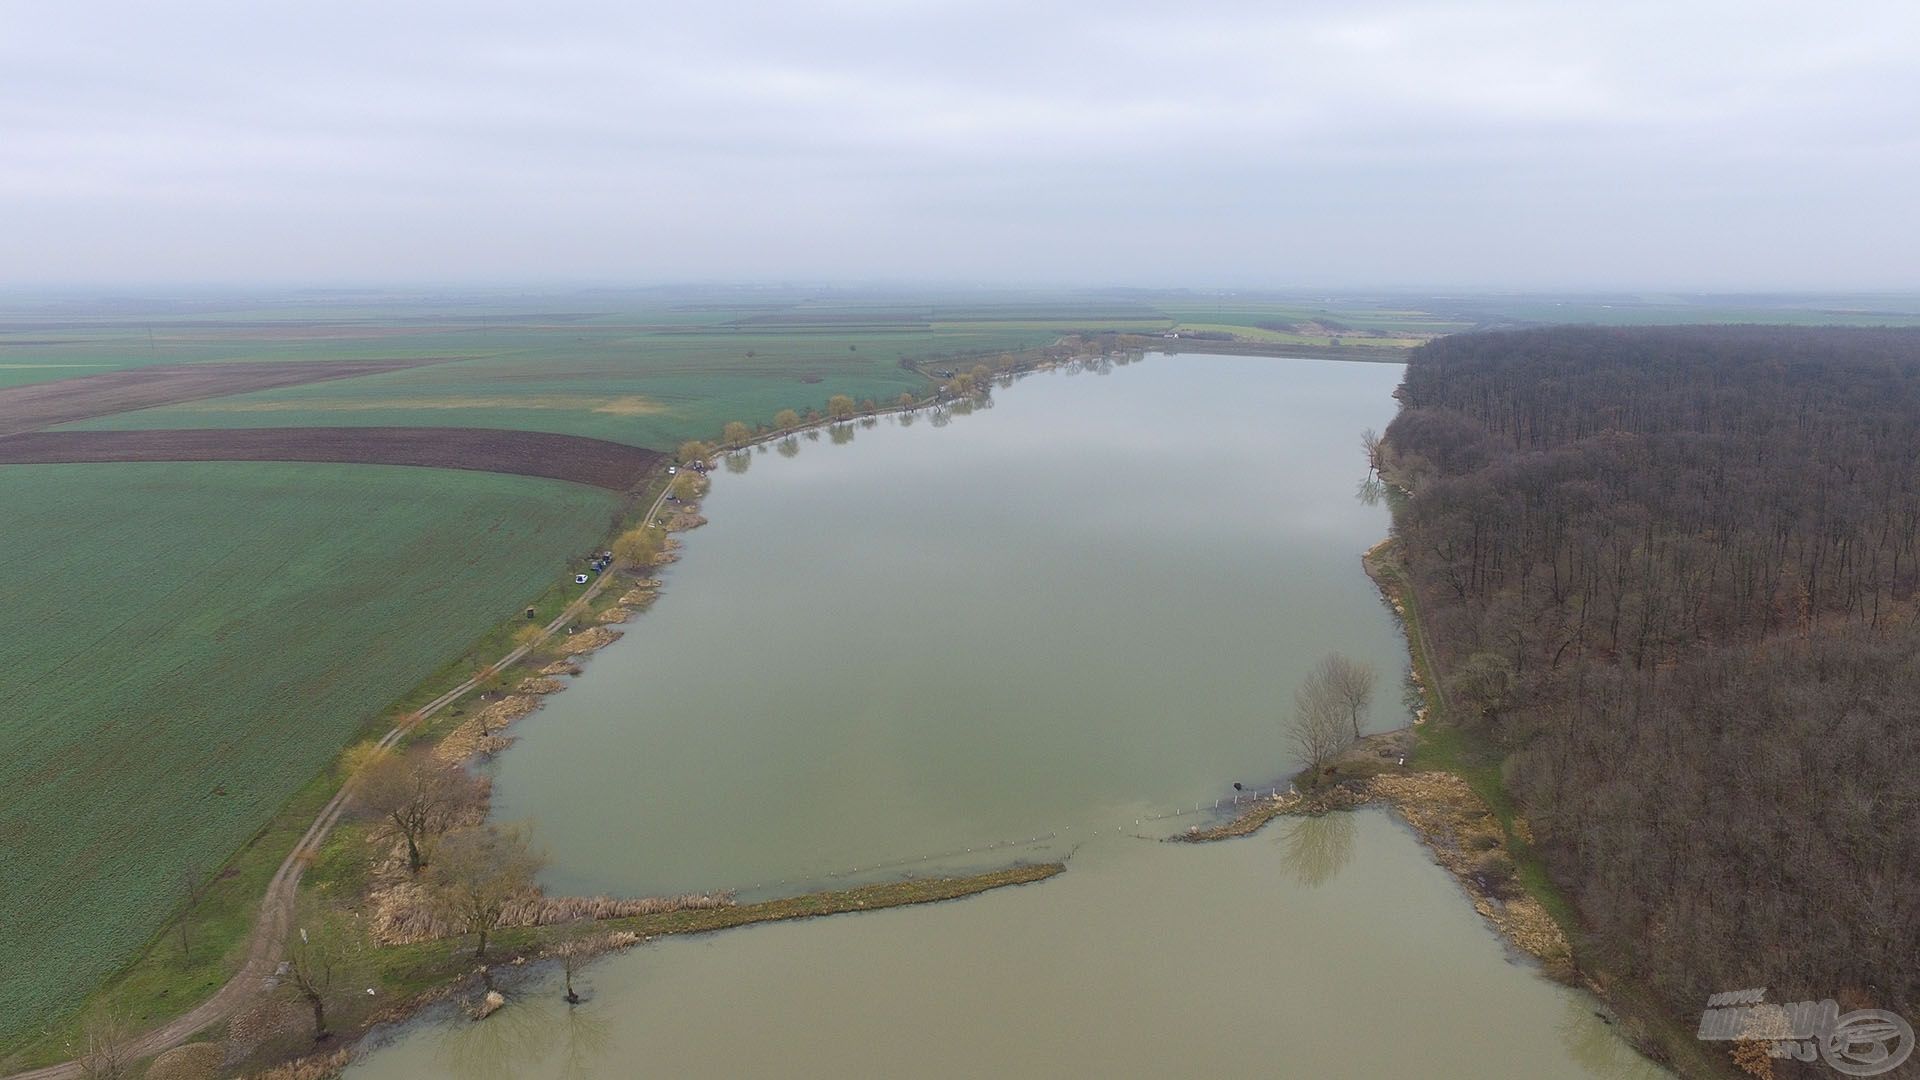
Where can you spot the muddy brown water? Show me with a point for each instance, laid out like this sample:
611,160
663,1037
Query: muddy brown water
1329,947
1048,628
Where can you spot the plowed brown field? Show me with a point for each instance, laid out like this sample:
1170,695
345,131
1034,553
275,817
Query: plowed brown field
610,465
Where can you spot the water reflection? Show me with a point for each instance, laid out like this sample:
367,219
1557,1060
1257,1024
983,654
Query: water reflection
738,461
507,1044
788,446
840,434
1143,959
1315,849
585,1035
1371,491
534,1035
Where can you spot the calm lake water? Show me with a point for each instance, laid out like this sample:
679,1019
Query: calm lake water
1060,617
1084,605
1316,948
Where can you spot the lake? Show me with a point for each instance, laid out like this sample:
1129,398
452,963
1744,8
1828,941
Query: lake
1055,626
1084,605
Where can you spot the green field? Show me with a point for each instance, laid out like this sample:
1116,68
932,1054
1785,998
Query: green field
654,391
187,644
644,378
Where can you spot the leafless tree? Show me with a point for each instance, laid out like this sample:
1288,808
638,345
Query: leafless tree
478,872
1318,728
107,1042
1666,579
1481,686
325,960
581,945
416,798
193,887
1350,683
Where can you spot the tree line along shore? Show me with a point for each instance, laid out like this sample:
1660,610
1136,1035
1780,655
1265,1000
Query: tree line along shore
1659,590
1668,577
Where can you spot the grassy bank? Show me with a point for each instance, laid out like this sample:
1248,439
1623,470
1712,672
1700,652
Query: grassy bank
164,980
417,976
182,674
1441,747
1438,746
421,968
203,941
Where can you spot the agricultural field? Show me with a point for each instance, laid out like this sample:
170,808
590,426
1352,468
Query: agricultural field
190,642
655,370
29,407
614,466
646,388
187,644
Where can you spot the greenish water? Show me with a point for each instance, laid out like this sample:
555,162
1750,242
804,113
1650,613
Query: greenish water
1062,616
1315,948
1085,605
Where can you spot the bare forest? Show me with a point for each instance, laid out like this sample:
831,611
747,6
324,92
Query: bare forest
1671,576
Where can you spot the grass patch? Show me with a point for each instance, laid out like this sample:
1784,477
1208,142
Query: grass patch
1440,746
410,970
192,643
162,981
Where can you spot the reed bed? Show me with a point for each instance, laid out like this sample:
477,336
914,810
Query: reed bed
403,914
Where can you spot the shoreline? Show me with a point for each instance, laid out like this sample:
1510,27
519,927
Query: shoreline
1544,917
526,951
1455,826
1458,827
310,816
270,919
269,915
598,631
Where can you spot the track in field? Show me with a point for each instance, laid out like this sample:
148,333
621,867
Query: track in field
39,405
597,462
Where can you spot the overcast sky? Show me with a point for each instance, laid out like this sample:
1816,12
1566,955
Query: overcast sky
1508,143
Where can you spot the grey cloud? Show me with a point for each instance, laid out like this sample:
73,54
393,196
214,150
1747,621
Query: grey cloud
1494,143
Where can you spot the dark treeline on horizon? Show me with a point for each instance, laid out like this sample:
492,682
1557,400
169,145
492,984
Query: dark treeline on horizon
1672,573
